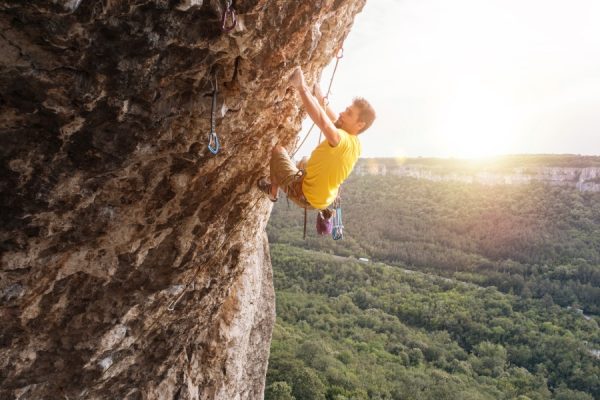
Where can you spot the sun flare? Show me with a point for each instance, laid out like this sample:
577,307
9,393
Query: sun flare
476,124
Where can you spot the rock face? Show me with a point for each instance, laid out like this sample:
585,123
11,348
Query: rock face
134,262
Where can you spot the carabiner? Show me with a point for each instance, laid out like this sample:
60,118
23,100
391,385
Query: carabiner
213,143
228,13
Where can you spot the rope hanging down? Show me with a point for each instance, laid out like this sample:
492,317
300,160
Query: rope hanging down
339,55
213,140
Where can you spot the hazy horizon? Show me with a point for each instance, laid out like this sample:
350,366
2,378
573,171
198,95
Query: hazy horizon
484,158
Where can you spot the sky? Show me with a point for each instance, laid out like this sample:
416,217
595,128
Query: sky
473,78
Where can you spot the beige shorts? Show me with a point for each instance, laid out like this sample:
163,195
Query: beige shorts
289,178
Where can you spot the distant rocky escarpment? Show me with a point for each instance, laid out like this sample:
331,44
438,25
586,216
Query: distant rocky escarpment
508,171
134,262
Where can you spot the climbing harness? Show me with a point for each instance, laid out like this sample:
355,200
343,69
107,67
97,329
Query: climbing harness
337,233
339,55
228,14
213,139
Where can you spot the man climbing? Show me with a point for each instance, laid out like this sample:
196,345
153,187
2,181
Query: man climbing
315,184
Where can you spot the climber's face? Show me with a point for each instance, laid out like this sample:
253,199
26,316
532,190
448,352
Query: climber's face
349,121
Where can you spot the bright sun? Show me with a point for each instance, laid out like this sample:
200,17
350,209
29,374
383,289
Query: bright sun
475,124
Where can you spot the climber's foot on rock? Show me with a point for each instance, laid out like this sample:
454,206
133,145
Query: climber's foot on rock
265,187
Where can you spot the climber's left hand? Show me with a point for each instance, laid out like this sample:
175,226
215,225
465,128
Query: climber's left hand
297,79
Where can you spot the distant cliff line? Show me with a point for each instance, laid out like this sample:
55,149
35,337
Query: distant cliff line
500,171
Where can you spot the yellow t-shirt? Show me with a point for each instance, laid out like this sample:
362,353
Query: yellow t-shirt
328,167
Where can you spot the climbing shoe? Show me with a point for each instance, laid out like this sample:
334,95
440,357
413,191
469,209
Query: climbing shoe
265,187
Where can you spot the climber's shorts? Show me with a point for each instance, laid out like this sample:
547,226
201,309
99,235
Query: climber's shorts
289,178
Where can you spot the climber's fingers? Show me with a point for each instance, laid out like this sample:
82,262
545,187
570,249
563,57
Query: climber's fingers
297,78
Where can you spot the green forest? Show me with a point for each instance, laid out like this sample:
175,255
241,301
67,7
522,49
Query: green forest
533,240
471,292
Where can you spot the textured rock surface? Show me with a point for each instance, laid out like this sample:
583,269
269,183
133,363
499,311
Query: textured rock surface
112,207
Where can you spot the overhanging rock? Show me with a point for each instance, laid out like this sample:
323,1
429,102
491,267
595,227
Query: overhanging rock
112,207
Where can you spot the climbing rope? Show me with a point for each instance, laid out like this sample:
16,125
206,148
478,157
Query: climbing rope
339,55
305,216
337,233
228,14
303,140
213,139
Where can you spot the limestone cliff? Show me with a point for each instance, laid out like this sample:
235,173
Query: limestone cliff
113,211
585,179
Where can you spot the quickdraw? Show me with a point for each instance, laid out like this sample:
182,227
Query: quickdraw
228,14
213,139
337,233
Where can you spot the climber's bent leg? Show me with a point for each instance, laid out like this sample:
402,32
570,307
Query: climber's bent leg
282,167
277,152
285,174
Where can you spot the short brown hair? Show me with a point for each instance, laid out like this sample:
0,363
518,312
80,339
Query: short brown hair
366,113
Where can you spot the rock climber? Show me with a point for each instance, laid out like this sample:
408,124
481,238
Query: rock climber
315,182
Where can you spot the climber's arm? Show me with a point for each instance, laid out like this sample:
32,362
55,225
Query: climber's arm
324,103
314,109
